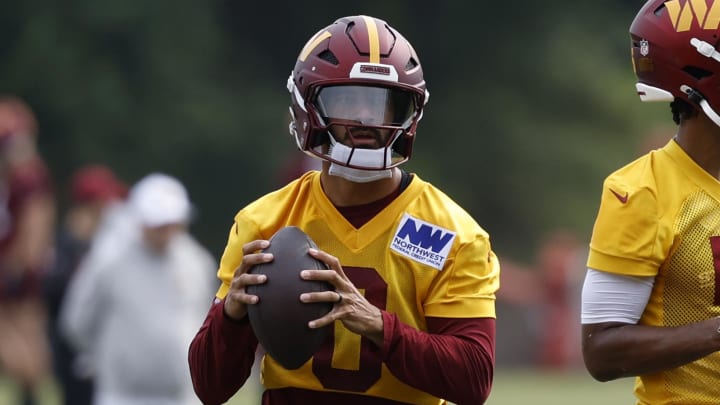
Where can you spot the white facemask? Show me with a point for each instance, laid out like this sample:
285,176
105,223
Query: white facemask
361,157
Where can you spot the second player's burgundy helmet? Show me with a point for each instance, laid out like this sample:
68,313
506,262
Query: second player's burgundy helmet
675,53
357,54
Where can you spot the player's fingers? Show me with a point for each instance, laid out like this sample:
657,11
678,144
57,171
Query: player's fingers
323,296
328,259
328,319
254,246
237,298
330,276
240,297
246,279
240,281
251,259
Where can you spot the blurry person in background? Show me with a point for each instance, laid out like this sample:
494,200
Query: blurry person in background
27,223
560,255
545,291
93,191
135,309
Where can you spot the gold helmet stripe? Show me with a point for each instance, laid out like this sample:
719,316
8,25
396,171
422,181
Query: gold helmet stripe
312,43
373,39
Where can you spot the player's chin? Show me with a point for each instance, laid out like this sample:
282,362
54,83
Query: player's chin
365,143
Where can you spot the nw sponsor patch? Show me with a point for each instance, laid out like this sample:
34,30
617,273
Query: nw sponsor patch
422,241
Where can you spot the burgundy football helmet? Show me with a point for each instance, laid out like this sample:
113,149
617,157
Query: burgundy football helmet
674,53
357,74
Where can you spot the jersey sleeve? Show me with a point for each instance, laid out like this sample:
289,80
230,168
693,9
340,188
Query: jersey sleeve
221,356
241,232
629,236
454,360
466,287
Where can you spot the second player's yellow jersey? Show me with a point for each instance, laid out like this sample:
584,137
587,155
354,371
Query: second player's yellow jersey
421,256
660,217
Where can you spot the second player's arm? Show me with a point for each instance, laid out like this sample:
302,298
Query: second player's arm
614,350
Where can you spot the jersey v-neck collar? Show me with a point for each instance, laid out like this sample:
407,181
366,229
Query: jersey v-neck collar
697,174
358,238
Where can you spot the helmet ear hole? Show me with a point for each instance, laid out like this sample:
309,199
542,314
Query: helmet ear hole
328,56
411,64
659,10
696,72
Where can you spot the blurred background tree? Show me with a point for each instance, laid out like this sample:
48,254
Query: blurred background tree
532,103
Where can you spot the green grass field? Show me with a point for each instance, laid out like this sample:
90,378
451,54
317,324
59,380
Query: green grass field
511,387
518,387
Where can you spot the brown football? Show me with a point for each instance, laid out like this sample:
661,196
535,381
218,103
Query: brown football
280,319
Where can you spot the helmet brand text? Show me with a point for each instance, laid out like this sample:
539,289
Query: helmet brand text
378,70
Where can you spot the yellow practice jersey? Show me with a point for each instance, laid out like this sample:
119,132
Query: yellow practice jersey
421,256
660,217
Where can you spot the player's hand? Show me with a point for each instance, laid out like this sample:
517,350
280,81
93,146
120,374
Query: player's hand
237,299
350,306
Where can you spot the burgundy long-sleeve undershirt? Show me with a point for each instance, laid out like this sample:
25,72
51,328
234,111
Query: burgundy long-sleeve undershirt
454,360
221,356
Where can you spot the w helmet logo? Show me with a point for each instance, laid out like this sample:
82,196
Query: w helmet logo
682,14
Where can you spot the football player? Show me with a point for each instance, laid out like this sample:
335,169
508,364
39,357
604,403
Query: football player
415,278
651,297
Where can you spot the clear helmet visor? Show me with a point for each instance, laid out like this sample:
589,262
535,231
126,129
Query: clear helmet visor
366,106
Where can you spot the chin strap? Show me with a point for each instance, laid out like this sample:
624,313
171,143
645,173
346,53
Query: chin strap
376,159
710,112
698,98
358,175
